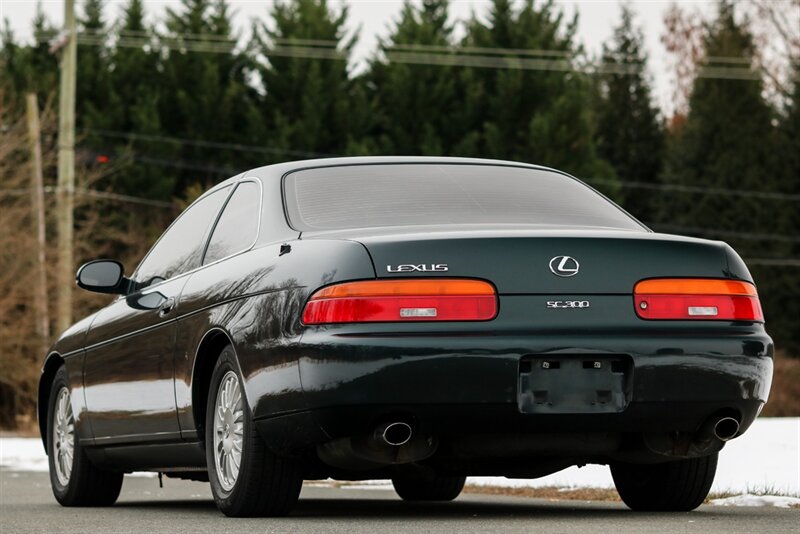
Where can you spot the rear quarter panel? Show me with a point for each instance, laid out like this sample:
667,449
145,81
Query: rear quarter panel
257,299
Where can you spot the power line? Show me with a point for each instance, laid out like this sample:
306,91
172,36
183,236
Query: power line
238,147
669,227
518,63
774,262
515,59
95,193
726,233
447,48
715,191
181,164
163,204
126,198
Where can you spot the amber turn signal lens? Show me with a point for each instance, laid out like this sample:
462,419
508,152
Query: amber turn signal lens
694,286
697,299
448,299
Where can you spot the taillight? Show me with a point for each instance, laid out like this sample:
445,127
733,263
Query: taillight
697,298
402,301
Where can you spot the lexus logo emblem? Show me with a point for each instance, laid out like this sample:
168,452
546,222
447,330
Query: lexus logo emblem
564,266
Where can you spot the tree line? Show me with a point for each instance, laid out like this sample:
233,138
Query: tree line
183,102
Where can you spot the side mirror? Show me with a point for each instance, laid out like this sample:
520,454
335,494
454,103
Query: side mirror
103,276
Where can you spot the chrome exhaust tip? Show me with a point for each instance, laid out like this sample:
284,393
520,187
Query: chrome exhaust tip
394,434
726,428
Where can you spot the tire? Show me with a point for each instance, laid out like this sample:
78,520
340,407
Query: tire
264,484
678,486
428,487
75,480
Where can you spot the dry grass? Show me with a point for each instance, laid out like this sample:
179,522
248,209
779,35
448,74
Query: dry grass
784,399
550,493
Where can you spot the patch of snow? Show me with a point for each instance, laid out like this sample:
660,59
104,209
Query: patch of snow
22,454
589,476
27,454
766,459
757,500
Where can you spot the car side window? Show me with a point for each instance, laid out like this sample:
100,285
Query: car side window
237,227
180,248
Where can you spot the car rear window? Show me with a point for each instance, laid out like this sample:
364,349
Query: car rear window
365,196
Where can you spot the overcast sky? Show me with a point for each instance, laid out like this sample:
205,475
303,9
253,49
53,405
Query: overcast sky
375,17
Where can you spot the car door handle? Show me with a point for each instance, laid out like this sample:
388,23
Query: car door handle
166,307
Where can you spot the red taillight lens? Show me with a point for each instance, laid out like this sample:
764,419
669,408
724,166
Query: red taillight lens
402,301
697,298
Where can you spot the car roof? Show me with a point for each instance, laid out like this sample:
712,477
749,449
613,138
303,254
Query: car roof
280,169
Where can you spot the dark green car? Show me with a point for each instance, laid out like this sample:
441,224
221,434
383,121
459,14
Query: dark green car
418,319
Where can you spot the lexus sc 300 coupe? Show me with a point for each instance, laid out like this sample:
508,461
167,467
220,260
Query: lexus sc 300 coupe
415,319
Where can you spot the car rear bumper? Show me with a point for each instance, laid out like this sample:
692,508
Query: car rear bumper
450,385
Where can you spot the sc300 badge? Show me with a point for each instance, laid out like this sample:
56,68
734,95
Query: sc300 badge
563,304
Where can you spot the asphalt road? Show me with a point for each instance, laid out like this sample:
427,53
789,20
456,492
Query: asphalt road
26,505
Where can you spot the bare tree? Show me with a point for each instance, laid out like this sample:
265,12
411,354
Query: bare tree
683,37
102,229
776,30
775,26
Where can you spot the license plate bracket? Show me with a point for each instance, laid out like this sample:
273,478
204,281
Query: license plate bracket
575,384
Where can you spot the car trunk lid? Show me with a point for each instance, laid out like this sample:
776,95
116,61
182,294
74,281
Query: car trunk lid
546,261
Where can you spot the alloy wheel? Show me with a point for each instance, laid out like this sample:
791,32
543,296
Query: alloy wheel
63,436
228,430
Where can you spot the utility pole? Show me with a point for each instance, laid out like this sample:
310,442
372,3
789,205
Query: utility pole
37,206
65,197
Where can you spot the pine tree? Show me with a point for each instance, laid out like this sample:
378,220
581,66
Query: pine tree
29,68
208,97
728,142
12,64
541,116
311,105
629,133
790,150
93,83
136,88
784,296
417,106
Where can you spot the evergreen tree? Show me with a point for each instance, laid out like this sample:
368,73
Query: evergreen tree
208,98
93,81
311,105
12,64
728,142
784,285
29,68
136,87
417,106
629,134
542,116
790,154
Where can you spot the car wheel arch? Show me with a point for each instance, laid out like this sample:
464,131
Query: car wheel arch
208,352
52,364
